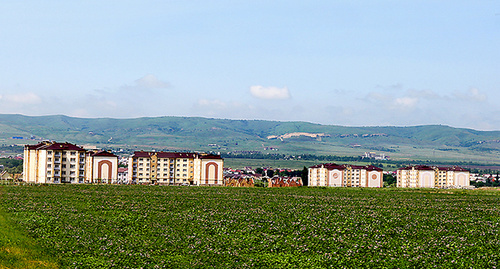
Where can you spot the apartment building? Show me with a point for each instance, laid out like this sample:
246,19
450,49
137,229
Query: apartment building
422,176
52,162
175,168
334,175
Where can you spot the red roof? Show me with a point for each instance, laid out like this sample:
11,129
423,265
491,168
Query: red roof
103,153
332,166
210,156
174,155
54,146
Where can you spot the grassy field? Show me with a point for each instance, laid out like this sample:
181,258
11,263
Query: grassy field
92,226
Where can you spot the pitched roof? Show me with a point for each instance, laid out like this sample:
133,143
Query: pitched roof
54,146
173,155
332,166
103,153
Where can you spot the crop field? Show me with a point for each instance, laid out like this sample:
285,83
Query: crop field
98,226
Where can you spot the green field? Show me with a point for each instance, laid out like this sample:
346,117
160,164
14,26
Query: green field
97,226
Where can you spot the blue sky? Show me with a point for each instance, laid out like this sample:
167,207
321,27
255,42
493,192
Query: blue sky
349,63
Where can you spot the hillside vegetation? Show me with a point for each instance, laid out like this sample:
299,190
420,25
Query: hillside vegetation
222,135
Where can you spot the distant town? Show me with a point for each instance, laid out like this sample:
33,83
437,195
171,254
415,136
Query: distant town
50,162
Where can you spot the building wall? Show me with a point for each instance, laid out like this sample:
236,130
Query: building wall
105,169
444,178
348,177
375,179
211,172
190,170
335,178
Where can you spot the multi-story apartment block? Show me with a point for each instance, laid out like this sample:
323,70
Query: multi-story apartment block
421,176
334,175
175,168
52,162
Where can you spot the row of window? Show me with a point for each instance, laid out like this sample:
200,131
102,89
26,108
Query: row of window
160,175
163,159
56,166
64,159
64,153
71,173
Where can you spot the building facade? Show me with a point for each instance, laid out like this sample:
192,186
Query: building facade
52,162
101,167
421,176
175,168
334,175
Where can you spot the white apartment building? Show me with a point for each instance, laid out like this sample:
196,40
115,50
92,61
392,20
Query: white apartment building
334,175
175,168
421,176
52,162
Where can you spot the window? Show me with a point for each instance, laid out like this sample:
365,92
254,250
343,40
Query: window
63,166
73,153
49,152
49,165
72,160
72,166
49,159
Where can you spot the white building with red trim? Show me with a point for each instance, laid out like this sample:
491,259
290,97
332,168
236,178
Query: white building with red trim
53,162
175,168
421,176
334,175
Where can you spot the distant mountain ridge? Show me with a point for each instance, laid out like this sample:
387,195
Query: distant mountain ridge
196,133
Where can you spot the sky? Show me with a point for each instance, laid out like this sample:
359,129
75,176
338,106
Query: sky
335,62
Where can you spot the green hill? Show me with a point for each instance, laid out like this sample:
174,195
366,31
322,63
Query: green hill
434,142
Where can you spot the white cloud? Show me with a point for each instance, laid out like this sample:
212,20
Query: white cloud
151,82
471,95
21,98
406,102
270,93
147,82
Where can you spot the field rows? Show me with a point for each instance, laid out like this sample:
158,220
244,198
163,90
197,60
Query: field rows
89,226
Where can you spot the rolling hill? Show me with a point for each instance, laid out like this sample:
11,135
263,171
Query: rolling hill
436,142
